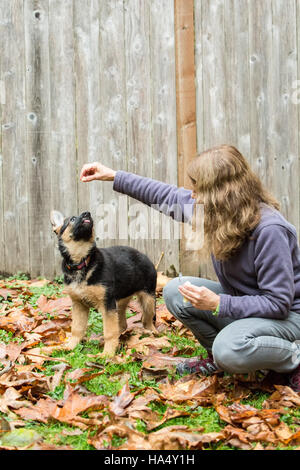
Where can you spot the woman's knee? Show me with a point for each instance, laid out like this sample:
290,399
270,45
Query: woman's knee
230,354
170,291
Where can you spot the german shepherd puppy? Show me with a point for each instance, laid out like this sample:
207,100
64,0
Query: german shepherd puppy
104,279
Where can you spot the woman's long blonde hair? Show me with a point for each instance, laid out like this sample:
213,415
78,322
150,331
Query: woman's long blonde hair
231,193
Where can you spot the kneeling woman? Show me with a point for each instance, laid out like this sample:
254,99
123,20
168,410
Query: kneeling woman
250,319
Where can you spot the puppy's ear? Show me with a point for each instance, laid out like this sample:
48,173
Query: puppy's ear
57,220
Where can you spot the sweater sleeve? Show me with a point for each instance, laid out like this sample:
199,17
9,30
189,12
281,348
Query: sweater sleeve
168,199
275,279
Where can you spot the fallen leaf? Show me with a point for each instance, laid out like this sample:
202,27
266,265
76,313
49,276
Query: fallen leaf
40,283
157,360
55,380
192,389
121,401
294,439
143,344
135,439
27,379
42,411
80,375
163,315
10,399
74,403
17,321
169,414
283,397
7,293
11,350
19,438
62,304
46,446
181,437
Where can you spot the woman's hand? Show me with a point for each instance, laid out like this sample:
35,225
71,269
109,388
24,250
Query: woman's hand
200,297
96,171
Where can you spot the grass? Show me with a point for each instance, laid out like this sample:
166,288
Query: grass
116,375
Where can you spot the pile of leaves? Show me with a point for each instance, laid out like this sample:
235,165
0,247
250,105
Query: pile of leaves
51,398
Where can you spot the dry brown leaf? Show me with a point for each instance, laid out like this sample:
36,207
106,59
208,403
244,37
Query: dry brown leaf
143,344
62,304
283,432
121,401
17,321
181,437
224,413
46,446
11,350
192,389
169,414
240,437
135,439
39,283
42,411
134,322
52,326
74,403
80,375
163,315
76,374
25,379
283,397
76,432
157,360
11,399
141,401
8,293
42,301
294,439
55,379
135,307
187,351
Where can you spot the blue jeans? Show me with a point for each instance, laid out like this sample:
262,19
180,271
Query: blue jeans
238,346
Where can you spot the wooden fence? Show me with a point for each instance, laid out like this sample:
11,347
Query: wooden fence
95,80
84,80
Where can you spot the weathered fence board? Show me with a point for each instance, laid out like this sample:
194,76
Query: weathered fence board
274,120
38,111
138,102
163,110
62,150
113,151
15,190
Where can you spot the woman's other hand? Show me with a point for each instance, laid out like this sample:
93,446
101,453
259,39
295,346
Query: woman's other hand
96,171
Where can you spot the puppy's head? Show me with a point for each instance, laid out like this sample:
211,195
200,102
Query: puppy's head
75,234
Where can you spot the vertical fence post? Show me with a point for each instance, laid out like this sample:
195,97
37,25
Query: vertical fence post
186,108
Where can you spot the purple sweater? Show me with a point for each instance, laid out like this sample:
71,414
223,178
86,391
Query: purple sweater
263,278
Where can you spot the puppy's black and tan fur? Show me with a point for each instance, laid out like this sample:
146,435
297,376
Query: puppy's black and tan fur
104,279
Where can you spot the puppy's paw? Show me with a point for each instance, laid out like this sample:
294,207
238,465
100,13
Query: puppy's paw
150,329
106,355
108,352
71,344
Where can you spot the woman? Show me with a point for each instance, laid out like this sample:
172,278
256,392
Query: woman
250,320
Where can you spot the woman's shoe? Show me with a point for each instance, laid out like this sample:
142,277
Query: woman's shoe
294,380
204,366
